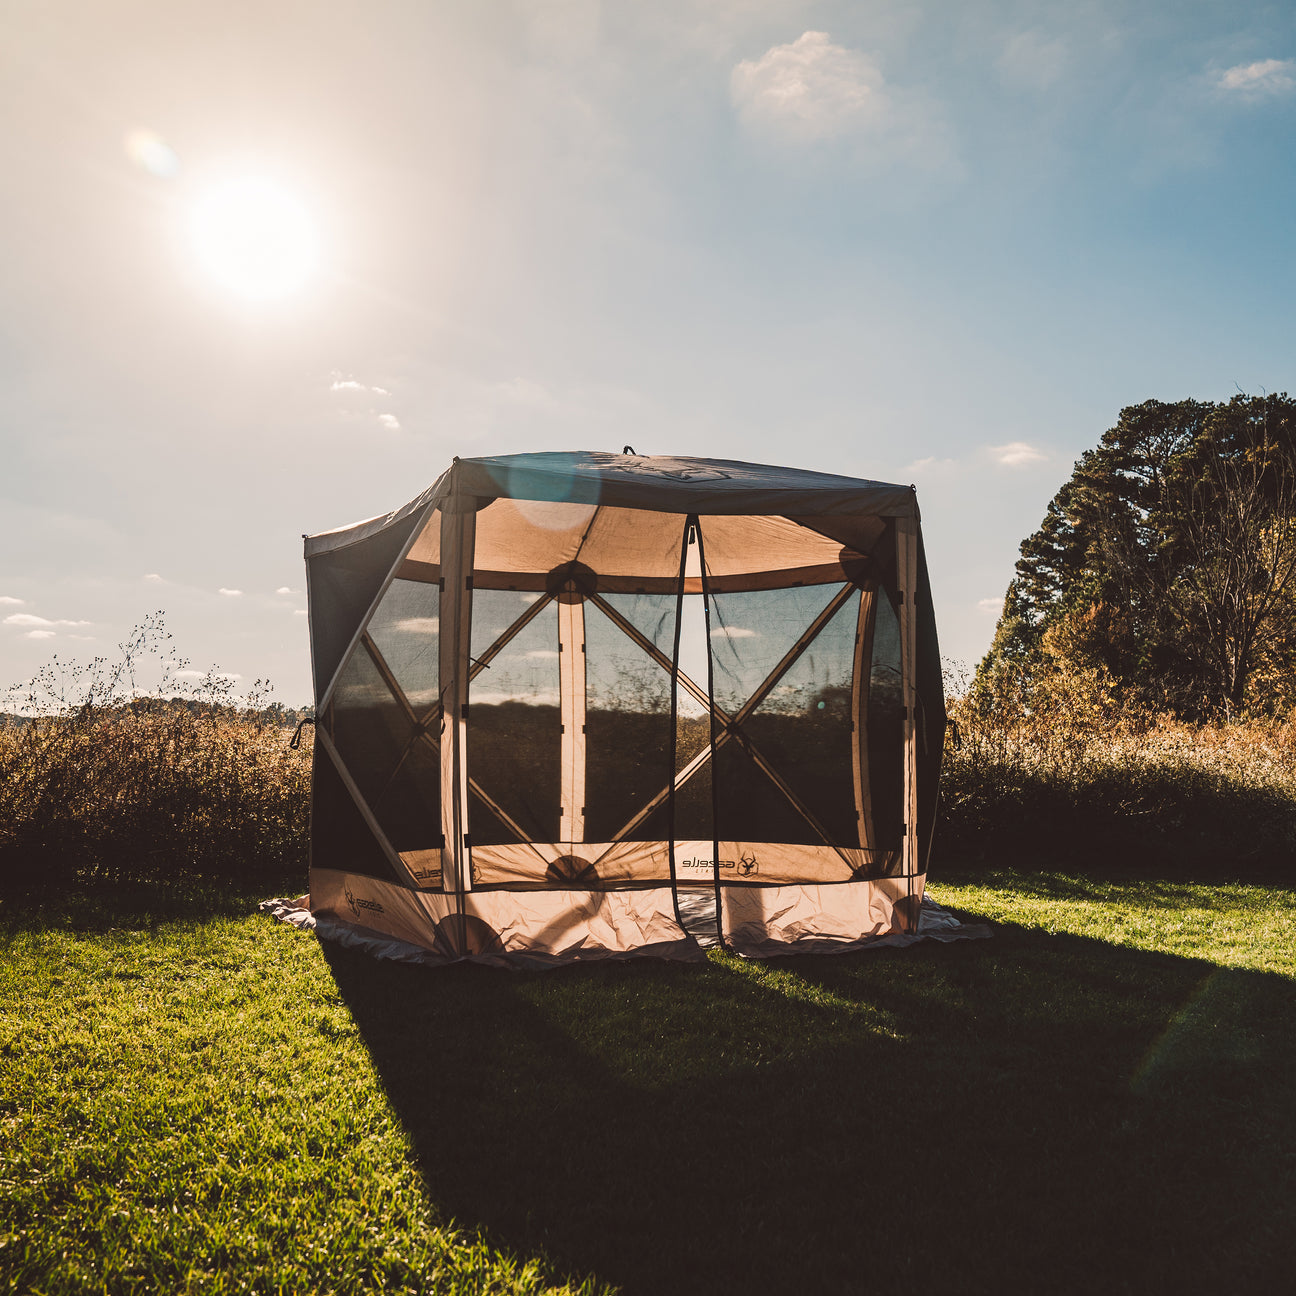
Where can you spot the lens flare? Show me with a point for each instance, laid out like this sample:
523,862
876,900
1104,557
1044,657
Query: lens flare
255,238
151,153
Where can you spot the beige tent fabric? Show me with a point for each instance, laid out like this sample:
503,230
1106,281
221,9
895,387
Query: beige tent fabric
506,928
760,921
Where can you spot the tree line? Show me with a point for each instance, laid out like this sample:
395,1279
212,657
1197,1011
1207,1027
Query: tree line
1164,572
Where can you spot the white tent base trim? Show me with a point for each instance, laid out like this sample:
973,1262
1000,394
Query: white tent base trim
934,923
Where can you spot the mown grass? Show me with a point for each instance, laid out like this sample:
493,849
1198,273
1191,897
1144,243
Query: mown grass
186,1105
1100,1097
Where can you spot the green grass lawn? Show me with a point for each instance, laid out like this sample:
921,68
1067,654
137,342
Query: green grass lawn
1102,1097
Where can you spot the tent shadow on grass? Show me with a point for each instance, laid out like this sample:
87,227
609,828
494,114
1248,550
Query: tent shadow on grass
1034,1112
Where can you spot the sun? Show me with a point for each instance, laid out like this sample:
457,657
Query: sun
255,238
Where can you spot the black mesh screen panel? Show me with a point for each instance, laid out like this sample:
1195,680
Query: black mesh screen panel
409,807
342,587
751,632
340,838
786,771
627,720
370,729
514,723
405,630
885,730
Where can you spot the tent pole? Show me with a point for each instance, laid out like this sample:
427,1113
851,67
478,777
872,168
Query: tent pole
458,534
861,687
711,714
571,699
674,727
907,580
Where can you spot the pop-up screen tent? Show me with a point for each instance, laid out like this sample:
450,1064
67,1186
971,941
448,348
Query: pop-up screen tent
585,705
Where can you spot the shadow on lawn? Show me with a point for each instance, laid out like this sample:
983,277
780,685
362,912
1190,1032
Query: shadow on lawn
1028,1113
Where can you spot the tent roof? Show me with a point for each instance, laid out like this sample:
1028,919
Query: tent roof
662,483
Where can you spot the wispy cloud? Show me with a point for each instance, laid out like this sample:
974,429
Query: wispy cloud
39,634
418,625
1264,77
733,632
231,593
8,600
1016,454
152,576
390,422
811,88
992,605
287,589
40,623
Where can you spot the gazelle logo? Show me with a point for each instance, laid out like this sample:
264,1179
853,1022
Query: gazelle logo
747,865
357,903
660,467
706,864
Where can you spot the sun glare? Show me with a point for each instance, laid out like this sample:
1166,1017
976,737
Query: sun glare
255,238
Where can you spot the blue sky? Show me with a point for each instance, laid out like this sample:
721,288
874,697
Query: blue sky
939,243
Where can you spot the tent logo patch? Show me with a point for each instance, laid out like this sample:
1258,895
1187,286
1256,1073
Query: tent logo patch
357,904
744,867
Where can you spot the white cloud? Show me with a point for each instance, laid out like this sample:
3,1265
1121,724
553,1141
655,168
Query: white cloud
390,422
733,632
287,589
1016,454
811,89
152,576
299,611
991,605
231,593
340,384
1031,61
39,623
39,634
418,625
9,601
1266,76
219,677
541,654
